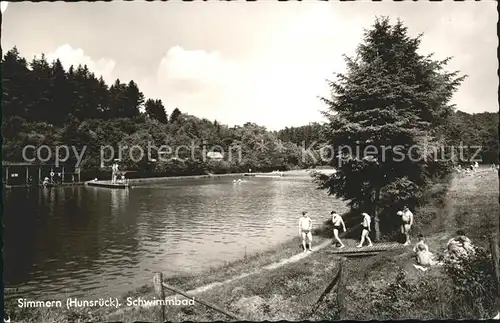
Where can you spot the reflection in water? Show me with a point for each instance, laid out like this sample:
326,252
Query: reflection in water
90,241
119,199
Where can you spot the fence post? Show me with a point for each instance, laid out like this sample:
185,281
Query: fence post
158,285
495,257
341,289
212,306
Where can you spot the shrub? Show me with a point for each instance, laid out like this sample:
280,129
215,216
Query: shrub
473,279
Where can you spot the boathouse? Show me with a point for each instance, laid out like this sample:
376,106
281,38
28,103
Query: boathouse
21,174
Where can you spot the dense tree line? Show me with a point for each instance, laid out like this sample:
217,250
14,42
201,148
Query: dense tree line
479,129
42,104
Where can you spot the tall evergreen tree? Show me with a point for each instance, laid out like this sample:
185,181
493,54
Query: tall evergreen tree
59,90
42,97
174,116
391,97
156,110
15,84
133,100
117,99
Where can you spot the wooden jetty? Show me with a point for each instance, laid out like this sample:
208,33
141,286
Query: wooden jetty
270,175
108,184
366,251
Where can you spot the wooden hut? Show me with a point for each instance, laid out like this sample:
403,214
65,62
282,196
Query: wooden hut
21,174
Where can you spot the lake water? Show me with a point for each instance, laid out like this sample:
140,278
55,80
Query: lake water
87,241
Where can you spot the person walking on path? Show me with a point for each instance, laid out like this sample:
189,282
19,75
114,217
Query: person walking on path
338,223
305,231
366,230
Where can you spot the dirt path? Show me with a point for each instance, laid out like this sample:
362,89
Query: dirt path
272,266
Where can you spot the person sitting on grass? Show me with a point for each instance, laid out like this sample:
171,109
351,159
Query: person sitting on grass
338,223
423,255
460,246
366,231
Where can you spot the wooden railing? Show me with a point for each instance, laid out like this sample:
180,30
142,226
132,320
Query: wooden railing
339,280
160,287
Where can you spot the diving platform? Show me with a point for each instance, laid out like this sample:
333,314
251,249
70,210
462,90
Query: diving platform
108,184
366,251
269,175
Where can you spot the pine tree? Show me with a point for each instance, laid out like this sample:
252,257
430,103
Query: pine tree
15,79
134,100
117,99
59,90
175,115
156,110
390,97
43,96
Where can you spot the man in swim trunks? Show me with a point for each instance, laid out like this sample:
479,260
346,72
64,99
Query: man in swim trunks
366,230
338,223
407,222
305,230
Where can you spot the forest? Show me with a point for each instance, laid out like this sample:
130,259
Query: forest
44,104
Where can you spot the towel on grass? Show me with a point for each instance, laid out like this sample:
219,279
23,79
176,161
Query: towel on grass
422,268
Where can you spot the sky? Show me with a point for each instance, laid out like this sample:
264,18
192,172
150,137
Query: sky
265,62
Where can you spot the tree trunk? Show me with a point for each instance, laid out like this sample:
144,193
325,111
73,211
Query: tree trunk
376,226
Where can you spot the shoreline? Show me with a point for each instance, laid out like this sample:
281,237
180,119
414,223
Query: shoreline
240,285
149,180
207,280
195,284
272,265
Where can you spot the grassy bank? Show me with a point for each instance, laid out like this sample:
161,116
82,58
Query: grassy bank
383,287
396,290
247,264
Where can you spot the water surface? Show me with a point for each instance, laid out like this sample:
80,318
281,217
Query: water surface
90,241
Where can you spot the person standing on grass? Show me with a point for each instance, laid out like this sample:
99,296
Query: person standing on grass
305,230
338,223
366,230
407,223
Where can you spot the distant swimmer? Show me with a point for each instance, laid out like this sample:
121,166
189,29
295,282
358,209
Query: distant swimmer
407,223
305,230
366,230
338,223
